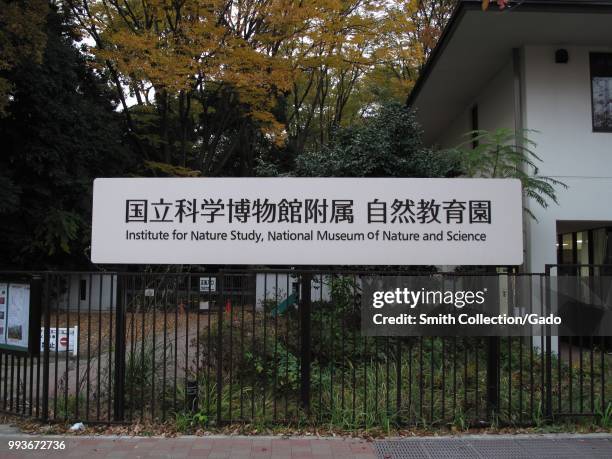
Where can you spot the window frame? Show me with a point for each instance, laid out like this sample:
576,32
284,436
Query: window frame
591,76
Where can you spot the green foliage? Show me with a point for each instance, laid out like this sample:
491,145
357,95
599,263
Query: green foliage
22,39
60,131
186,421
386,143
59,227
139,373
67,407
503,153
276,362
604,417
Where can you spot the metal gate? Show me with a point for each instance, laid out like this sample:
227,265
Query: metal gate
278,347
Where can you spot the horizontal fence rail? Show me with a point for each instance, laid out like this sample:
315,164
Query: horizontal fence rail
281,347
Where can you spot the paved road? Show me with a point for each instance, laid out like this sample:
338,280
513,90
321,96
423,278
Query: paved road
242,447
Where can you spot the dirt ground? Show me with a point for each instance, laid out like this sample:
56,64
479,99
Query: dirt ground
97,330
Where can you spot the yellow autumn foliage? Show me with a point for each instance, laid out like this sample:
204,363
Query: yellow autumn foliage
314,51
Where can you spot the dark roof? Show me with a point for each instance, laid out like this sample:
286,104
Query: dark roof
570,6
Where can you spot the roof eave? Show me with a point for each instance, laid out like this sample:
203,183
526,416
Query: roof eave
469,5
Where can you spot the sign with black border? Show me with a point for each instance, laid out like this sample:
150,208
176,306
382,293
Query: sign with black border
307,221
20,299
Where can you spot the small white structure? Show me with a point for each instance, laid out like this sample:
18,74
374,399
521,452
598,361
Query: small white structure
82,292
98,291
275,288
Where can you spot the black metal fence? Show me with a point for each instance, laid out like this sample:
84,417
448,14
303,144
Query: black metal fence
281,347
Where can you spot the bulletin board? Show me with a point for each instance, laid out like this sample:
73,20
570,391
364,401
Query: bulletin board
19,317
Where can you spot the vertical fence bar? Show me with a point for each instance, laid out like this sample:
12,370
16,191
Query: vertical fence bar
264,349
477,371
398,381
77,379
275,388
131,294
220,348
156,286
175,305
355,309
305,355
110,346
165,358
37,300
98,375
208,340
55,373
243,290
492,376
287,345
143,306
548,370
67,355
193,401
88,386
331,347
342,344
119,394
254,347
46,333
231,348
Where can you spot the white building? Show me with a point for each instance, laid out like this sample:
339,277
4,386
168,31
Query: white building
545,66
97,292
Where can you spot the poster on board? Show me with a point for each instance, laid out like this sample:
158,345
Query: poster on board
18,315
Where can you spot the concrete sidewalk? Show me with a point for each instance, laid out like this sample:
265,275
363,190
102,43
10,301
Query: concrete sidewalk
243,447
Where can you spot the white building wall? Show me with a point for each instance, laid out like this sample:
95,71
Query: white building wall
558,104
495,109
100,293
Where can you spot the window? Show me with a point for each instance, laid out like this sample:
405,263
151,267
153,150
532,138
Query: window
474,120
601,91
587,247
83,289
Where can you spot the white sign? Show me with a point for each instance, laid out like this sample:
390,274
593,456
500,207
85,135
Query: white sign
307,221
208,284
67,341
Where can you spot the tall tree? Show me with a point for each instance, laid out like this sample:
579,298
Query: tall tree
274,74
61,130
386,143
22,39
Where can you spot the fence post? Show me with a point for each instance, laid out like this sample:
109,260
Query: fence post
220,313
47,325
548,350
492,376
305,342
119,394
